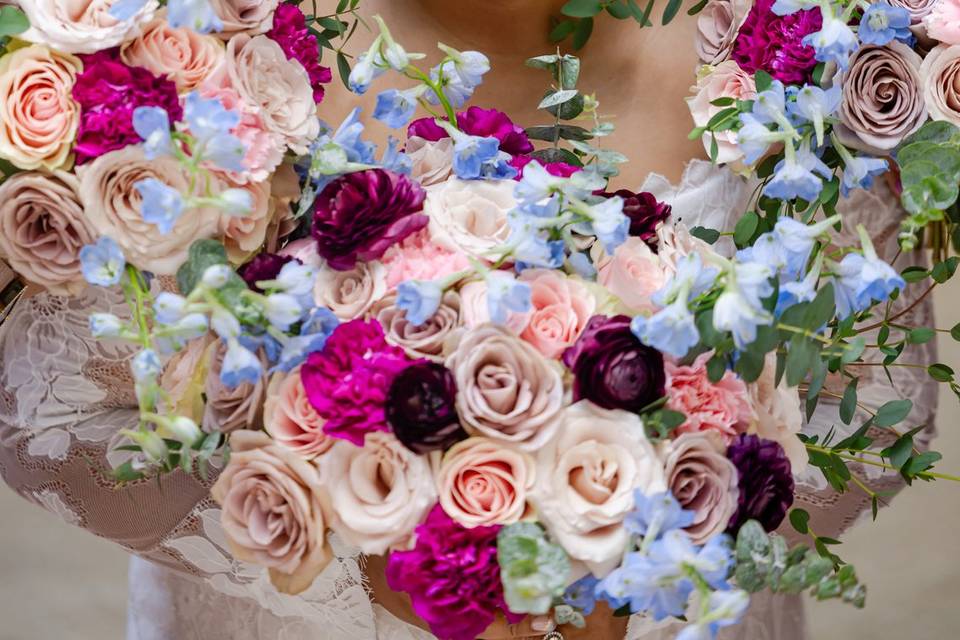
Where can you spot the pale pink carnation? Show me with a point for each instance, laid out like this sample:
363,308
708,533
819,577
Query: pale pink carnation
264,148
943,22
723,406
419,258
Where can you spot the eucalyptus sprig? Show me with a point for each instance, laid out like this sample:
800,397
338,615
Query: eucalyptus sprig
334,30
578,16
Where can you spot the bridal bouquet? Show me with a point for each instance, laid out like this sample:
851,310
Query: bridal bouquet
532,393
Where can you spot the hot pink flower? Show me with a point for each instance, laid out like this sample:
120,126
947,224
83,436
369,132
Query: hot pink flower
291,33
775,43
487,123
723,406
418,258
559,169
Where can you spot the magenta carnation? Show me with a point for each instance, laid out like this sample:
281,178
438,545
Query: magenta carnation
291,33
108,91
487,123
349,380
559,169
452,576
774,43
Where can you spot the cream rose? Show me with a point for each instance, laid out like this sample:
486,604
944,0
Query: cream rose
182,55
112,205
419,341
778,414
82,26
378,492
251,16
273,513
277,89
633,274
229,409
675,241
39,115
717,27
586,477
940,78
703,481
560,309
43,228
483,483
469,215
349,294
291,420
432,161
506,390
244,235
725,80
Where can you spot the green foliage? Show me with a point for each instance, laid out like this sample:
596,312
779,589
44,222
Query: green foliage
12,21
578,16
202,255
929,162
533,570
333,31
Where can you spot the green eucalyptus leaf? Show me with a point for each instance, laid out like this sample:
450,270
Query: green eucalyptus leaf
582,8
710,236
745,228
618,9
799,519
562,31
202,254
893,412
555,98
13,21
582,33
670,11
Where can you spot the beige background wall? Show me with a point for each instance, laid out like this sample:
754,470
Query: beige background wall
57,582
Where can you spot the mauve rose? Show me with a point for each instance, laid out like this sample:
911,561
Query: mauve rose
351,293
765,482
360,215
39,115
646,213
181,55
940,77
703,480
432,161
778,416
232,409
722,407
272,511
918,9
248,16
612,368
943,21
470,216
633,274
42,229
725,80
560,309
586,477
420,408
378,492
263,267
480,483
81,26
717,27
424,340
882,98
291,420
507,390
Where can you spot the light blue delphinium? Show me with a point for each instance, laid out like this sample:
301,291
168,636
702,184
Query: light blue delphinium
102,263
724,609
581,594
797,291
152,124
816,105
505,294
794,176
860,280
211,123
834,42
787,248
609,223
105,325
160,205
225,324
859,172
314,331
395,108
198,15
655,514
369,67
470,153
754,137
882,23
239,365
739,309
419,300
672,329
787,7
235,202
458,77
146,366
124,10
394,159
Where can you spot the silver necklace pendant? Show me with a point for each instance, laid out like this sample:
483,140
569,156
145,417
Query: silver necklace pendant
553,635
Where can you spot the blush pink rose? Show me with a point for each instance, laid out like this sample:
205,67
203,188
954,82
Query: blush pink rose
475,312
304,250
181,55
633,274
247,16
943,21
482,483
291,420
725,80
722,406
560,309
81,26
244,235
417,257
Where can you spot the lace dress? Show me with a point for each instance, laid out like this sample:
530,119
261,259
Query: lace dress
65,396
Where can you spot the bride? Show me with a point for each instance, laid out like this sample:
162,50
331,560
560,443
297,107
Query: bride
65,396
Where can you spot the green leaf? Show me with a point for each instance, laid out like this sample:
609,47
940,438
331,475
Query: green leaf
644,17
618,9
940,372
547,133
710,236
938,131
799,519
670,11
893,412
547,156
557,97
569,109
943,271
745,228
582,8
343,67
202,254
821,310
914,274
568,71
763,80
854,350
799,358
563,30
955,332
848,406
921,335
12,21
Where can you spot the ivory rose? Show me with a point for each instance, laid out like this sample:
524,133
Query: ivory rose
940,78
230,409
273,514
379,492
777,414
474,310
725,80
470,215
42,229
721,406
432,161
943,21
112,205
560,309
702,480
482,483
250,16
349,294
291,420
39,115
419,341
244,235
82,26
586,477
717,27
506,389
179,54
676,241
634,273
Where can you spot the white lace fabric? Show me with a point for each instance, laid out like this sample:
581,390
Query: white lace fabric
64,397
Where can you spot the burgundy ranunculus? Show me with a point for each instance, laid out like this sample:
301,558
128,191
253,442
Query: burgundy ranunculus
612,368
487,123
775,43
420,408
360,215
645,213
766,482
264,266
558,169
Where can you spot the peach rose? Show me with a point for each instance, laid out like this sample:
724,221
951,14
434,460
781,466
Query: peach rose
474,310
250,16
482,483
778,414
39,115
419,341
232,409
586,477
291,420
112,205
470,215
432,161
263,149
560,309
182,55
349,294
943,21
633,274
43,228
721,406
725,80
276,89
717,27
506,389
273,513
82,26
244,235
703,481
378,492
940,77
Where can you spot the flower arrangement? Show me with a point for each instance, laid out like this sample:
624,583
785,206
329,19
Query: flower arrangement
531,392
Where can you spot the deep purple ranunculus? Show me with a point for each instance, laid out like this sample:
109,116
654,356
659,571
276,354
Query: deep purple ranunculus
420,408
264,266
559,169
645,213
291,33
360,215
766,482
775,43
108,92
612,368
487,123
